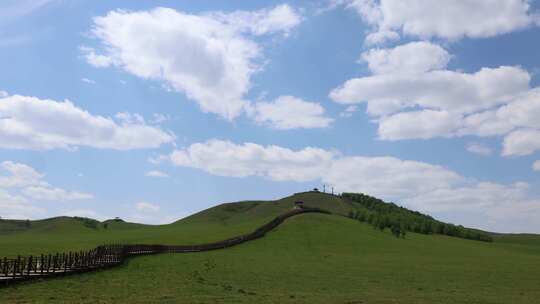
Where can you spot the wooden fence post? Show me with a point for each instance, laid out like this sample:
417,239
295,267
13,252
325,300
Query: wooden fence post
55,261
29,265
16,266
5,267
41,264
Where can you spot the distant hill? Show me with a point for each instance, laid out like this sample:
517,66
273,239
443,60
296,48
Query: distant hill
61,224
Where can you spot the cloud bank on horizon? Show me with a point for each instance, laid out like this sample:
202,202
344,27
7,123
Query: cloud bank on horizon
213,96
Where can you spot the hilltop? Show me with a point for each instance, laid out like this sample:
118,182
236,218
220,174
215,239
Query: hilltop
213,224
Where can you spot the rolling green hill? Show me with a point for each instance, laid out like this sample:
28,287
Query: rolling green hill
214,224
311,258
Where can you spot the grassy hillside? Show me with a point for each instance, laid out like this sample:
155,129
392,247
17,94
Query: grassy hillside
313,258
214,224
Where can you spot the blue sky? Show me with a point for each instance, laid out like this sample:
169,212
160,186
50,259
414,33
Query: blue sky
153,110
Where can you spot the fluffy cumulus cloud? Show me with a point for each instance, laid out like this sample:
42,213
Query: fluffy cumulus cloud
225,158
441,89
448,19
423,124
31,183
288,112
43,124
521,142
421,99
414,57
21,185
387,177
427,187
209,57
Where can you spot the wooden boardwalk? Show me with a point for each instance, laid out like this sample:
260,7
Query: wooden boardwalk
105,256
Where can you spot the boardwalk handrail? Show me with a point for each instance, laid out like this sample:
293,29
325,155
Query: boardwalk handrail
13,270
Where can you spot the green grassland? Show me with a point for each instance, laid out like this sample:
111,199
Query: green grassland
311,258
214,224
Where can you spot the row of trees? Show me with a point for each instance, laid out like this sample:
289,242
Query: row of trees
399,220
379,222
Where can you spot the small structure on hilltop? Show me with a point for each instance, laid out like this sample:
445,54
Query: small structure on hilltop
315,189
298,204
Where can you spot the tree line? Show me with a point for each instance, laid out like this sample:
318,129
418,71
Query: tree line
400,220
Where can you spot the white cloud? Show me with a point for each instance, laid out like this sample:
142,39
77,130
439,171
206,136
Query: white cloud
414,57
517,119
387,177
480,149
377,175
442,90
3,94
48,193
418,185
89,81
518,216
31,184
146,207
381,37
225,158
210,58
17,207
156,173
487,123
19,175
419,99
423,124
43,124
281,18
448,19
524,111
21,185
483,195
521,142
536,165
99,61
288,112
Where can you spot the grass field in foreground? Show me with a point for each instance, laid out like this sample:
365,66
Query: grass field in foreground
314,258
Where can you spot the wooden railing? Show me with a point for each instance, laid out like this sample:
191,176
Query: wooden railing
105,256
